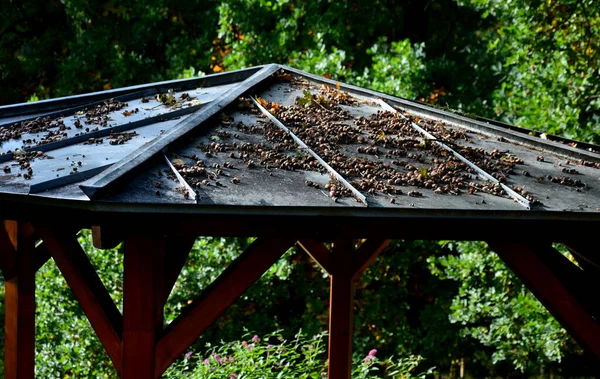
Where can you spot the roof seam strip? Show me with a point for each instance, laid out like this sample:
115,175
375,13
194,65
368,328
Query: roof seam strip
107,131
71,111
218,79
129,163
330,169
181,180
73,177
459,120
518,198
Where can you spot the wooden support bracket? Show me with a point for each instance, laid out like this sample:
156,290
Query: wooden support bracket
343,265
550,285
19,345
215,299
318,252
93,297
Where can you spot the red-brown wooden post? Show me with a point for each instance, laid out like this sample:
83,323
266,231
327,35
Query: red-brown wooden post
142,304
19,346
341,295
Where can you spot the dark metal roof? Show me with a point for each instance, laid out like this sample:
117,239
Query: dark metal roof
274,138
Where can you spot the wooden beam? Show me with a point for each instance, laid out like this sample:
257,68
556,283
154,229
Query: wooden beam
367,253
178,249
341,307
577,281
105,237
318,252
528,262
19,345
142,304
219,296
89,290
7,254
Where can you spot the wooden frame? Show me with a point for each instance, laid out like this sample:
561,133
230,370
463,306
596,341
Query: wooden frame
140,347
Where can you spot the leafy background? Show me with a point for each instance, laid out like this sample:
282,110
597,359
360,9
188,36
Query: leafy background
531,63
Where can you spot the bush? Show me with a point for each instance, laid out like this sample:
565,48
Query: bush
273,356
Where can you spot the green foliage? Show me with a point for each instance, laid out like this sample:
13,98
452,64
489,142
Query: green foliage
495,308
397,69
66,345
272,356
531,63
547,55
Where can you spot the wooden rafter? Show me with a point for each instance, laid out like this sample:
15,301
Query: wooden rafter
219,296
93,297
318,252
545,279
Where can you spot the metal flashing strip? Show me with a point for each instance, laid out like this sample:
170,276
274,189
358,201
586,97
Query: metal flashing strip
484,175
191,193
68,179
107,131
359,196
49,105
71,111
125,166
461,121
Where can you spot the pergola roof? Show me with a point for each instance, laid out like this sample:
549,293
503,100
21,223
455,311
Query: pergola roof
273,139
285,156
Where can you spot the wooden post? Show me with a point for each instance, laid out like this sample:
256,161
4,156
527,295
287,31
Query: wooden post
19,346
142,304
341,296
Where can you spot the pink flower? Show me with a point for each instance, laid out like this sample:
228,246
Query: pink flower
244,343
206,362
187,355
255,338
216,357
230,359
233,376
372,353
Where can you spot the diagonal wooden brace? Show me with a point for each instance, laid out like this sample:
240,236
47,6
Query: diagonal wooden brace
93,297
215,299
367,253
549,279
318,252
